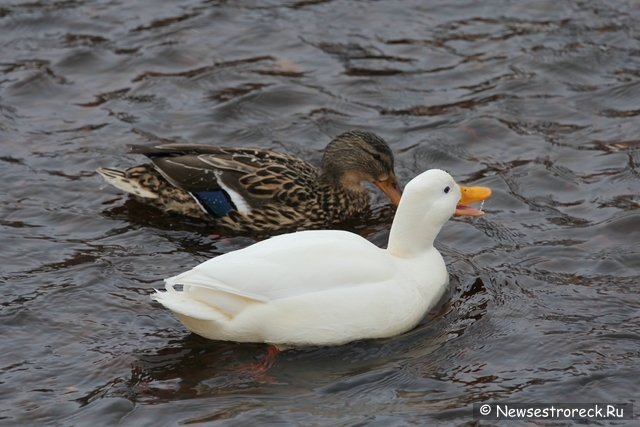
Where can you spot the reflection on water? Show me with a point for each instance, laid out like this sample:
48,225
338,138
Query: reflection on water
536,100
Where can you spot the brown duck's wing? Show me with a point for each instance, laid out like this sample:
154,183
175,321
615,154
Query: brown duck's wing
263,176
186,166
257,175
187,173
179,164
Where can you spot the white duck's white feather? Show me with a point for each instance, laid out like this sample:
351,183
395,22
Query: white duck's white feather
256,272
323,287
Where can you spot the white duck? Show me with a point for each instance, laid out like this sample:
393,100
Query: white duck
325,287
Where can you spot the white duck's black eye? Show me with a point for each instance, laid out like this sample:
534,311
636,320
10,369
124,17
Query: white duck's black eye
446,189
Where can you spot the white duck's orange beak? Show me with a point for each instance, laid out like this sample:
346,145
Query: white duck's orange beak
391,188
471,195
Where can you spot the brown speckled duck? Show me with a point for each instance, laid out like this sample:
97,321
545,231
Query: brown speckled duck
262,191
259,190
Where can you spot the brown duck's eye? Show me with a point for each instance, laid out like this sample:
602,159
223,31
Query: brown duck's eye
446,189
377,157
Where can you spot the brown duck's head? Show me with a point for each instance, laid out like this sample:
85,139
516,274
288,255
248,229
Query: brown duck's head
359,155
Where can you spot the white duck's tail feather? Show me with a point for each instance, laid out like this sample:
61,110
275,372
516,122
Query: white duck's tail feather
178,302
195,277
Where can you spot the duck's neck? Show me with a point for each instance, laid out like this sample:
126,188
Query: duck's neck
411,234
342,203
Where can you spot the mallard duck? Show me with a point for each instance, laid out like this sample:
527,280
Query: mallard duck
324,287
258,190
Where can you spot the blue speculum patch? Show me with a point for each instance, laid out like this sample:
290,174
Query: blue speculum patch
217,203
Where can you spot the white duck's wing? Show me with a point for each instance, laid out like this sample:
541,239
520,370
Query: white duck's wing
291,265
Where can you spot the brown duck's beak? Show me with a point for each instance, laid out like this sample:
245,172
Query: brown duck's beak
470,195
390,187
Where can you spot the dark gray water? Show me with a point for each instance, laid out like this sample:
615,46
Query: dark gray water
538,100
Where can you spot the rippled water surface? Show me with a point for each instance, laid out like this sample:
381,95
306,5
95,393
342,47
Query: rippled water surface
538,100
